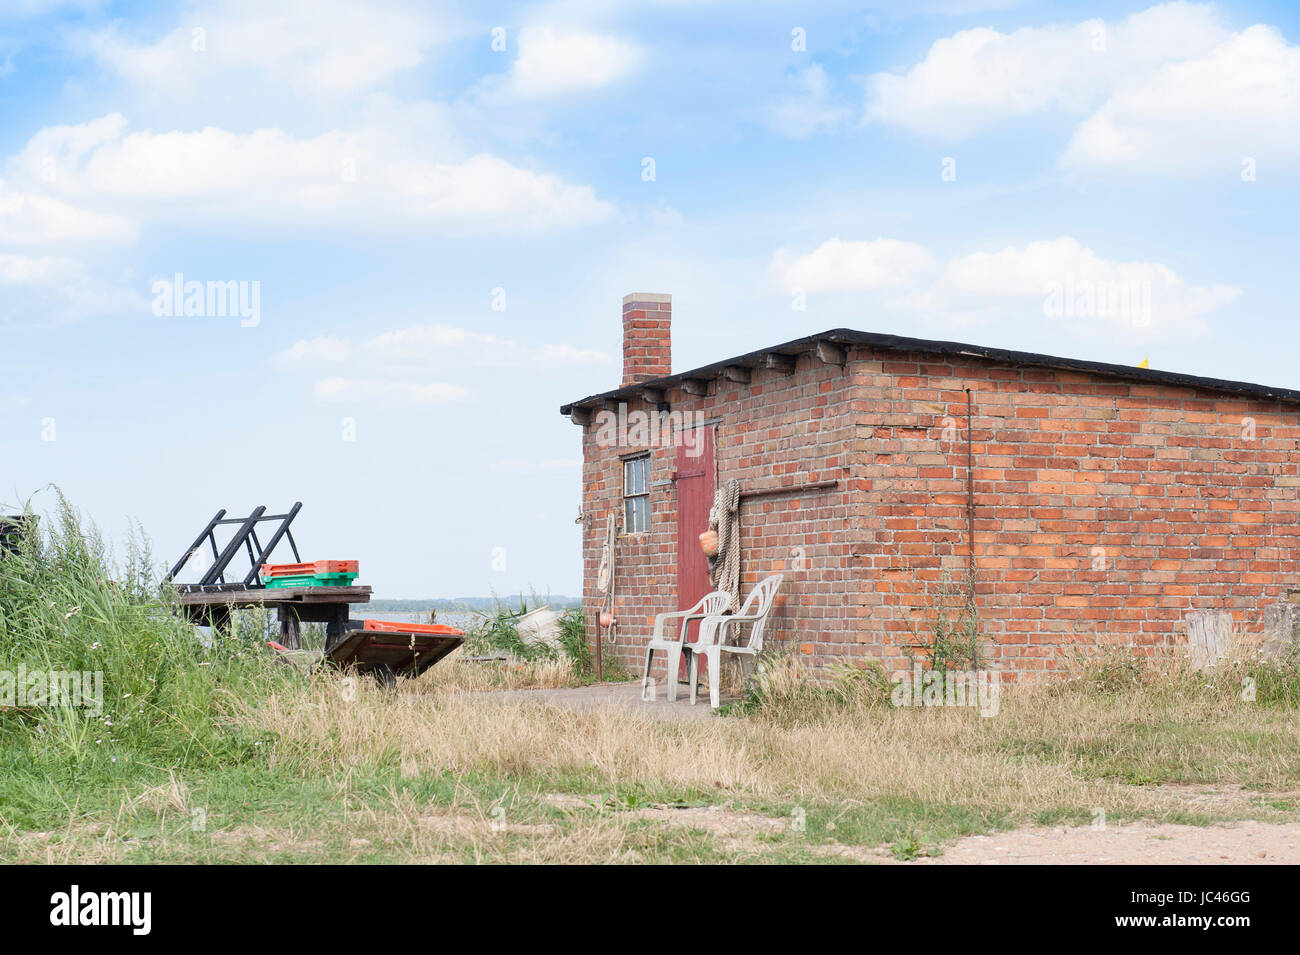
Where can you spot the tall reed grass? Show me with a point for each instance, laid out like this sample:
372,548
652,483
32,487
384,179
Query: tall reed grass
67,605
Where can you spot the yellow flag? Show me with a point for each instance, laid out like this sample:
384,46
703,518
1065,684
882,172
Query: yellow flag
1145,362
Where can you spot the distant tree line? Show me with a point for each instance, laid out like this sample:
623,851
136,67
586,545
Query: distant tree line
483,604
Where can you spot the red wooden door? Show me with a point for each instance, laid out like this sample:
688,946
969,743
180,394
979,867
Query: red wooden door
695,482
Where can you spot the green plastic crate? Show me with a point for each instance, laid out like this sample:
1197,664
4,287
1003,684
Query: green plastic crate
311,580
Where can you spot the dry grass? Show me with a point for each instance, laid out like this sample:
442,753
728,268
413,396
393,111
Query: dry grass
457,672
1049,747
170,797
440,773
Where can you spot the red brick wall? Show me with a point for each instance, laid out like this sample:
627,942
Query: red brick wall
780,430
1189,512
1105,510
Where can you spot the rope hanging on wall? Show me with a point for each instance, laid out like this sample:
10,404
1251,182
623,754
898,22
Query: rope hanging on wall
605,575
724,517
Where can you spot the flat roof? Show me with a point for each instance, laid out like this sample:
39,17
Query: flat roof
924,346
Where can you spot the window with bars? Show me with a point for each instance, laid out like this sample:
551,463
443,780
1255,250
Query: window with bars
636,494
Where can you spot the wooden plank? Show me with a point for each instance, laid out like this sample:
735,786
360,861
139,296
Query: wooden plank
336,625
1209,636
290,628
323,598
258,596
408,654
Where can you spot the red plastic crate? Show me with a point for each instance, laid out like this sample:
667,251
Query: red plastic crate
311,567
389,626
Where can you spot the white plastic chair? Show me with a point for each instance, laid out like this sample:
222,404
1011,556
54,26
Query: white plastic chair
715,631
708,605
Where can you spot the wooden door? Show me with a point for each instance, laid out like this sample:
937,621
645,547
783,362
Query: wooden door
695,483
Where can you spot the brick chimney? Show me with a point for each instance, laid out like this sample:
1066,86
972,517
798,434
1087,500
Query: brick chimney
647,336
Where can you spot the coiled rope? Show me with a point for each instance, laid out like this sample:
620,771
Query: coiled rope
605,575
724,517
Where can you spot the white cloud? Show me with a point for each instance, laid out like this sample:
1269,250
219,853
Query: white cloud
52,289
33,219
663,215
1069,281
838,266
315,352
978,77
39,270
438,344
270,177
386,391
395,367
318,48
1059,280
434,347
1169,89
1206,113
809,108
558,63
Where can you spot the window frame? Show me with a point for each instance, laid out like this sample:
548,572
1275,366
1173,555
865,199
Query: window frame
636,500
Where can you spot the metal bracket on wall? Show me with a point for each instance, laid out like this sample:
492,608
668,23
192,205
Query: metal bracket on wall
792,489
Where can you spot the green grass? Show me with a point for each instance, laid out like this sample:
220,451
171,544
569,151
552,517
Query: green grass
184,763
246,814
495,632
66,606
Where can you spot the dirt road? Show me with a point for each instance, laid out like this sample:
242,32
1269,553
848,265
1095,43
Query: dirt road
1130,844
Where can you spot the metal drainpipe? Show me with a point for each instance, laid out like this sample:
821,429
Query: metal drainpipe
970,498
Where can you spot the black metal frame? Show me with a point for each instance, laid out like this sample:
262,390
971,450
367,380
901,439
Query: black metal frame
246,537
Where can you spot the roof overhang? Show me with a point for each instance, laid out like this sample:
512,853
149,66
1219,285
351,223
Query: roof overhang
831,346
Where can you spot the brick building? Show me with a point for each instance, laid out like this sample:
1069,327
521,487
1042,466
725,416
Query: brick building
1097,502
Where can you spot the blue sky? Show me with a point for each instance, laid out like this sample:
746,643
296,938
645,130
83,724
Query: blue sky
442,206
